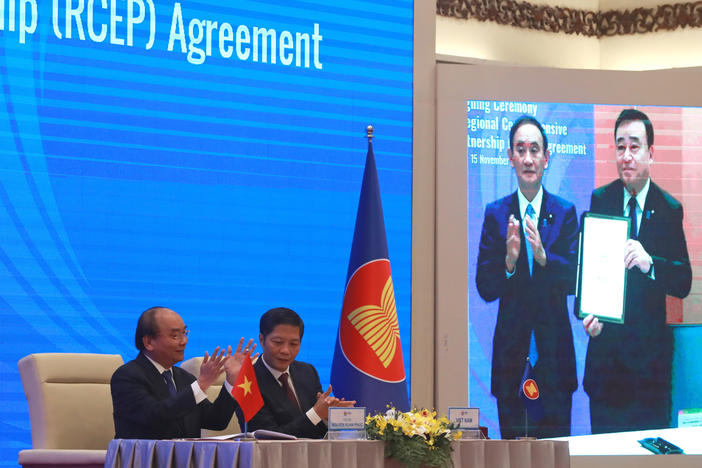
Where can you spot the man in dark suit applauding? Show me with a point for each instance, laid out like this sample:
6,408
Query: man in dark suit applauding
291,390
154,399
527,260
628,366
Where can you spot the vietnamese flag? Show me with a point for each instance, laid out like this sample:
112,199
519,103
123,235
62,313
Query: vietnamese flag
246,391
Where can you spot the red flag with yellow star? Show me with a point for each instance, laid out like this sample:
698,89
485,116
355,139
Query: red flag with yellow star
246,391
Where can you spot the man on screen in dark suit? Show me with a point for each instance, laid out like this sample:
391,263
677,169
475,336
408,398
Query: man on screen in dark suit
628,366
293,402
154,399
527,260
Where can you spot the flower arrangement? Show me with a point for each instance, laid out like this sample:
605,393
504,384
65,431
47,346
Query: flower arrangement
415,437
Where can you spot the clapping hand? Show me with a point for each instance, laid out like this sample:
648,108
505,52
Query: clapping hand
534,238
325,401
514,242
212,367
232,365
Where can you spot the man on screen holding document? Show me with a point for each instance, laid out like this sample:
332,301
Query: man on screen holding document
154,399
293,402
628,366
527,260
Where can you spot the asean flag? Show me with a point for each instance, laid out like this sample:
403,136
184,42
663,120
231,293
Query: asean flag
368,365
246,391
530,396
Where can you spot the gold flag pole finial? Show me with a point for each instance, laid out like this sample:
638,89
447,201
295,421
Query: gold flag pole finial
369,132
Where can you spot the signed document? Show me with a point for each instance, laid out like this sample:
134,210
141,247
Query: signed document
601,288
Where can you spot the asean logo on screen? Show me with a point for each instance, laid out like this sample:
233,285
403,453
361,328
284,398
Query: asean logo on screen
530,389
369,333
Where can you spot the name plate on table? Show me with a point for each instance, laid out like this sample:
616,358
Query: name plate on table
346,423
466,420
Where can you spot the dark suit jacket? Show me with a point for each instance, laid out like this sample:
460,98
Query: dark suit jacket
538,300
278,412
640,351
144,409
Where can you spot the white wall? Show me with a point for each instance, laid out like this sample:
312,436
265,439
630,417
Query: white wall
491,41
655,51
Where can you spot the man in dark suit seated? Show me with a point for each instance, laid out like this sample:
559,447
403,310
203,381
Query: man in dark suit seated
291,390
154,399
527,260
628,366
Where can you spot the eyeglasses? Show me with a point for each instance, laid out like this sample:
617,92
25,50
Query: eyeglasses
179,335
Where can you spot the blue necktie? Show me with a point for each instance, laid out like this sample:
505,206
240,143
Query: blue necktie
632,216
168,377
533,352
530,253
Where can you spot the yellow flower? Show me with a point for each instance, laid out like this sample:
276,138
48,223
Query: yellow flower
399,428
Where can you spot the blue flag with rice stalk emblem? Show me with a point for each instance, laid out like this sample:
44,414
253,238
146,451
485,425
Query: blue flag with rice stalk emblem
529,394
368,366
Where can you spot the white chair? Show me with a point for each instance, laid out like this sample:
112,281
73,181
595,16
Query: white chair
70,408
192,365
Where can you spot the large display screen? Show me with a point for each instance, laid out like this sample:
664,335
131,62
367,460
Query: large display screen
582,157
201,155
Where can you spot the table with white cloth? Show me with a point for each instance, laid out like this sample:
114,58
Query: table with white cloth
123,453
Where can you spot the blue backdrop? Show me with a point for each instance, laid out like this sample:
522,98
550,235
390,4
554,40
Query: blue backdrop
134,173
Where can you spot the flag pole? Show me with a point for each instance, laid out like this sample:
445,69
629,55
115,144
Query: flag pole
354,372
526,416
526,424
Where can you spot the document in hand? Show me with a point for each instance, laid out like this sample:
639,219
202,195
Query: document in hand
601,283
